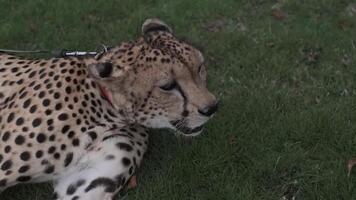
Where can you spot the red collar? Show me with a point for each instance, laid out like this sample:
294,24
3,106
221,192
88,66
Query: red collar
104,92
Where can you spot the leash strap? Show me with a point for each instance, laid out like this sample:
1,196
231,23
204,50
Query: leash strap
60,53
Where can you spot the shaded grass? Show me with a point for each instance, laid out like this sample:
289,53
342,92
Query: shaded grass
287,123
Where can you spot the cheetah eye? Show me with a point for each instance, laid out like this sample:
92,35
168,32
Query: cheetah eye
169,86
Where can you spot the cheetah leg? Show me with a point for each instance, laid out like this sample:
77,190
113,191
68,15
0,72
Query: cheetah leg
102,173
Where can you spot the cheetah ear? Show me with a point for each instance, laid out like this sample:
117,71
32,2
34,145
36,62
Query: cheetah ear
100,70
154,25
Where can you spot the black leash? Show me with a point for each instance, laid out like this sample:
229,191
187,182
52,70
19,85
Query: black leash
60,53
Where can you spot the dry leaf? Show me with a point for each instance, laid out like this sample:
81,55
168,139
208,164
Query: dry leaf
344,24
132,182
232,140
278,14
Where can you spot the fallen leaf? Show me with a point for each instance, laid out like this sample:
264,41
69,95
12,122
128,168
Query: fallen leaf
311,55
132,182
344,24
232,140
278,14
350,165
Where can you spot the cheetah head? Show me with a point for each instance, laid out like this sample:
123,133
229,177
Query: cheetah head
157,81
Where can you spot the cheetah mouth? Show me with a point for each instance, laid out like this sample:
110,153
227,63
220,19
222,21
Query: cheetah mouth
181,127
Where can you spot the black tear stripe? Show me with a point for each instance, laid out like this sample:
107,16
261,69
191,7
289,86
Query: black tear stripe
110,185
185,100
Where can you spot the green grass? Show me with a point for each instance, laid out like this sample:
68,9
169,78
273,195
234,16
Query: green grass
287,122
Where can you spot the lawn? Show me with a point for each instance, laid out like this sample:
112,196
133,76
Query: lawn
284,71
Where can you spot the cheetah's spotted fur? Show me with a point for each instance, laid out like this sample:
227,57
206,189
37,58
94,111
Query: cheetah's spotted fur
81,121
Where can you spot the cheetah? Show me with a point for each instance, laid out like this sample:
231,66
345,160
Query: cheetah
82,121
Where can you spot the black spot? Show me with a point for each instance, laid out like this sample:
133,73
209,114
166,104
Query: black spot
110,185
42,94
49,169
41,138
24,169
48,112
65,129
109,157
63,116
7,149
23,178
75,198
62,64
75,142
6,136
32,74
52,137
26,103
33,109
39,154
125,161
36,122
68,90
56,95
80,182
68,159
6,165
45,102
57,156
52,149
92,135
19,121
58,106
49,122
37,87
19,140
71,134
124,146
71,189
3,182
25,156
10,117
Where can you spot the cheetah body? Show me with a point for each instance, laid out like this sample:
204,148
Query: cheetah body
81,121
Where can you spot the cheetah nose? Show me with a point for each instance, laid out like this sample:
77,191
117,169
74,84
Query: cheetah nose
209,110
